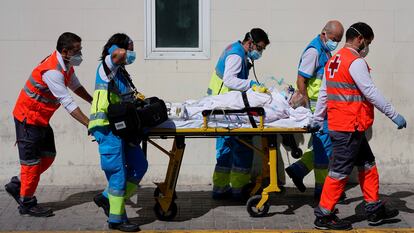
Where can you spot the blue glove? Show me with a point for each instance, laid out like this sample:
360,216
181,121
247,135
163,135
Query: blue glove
315,126
252,83
400,122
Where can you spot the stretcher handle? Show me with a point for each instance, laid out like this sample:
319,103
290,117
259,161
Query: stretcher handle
251,111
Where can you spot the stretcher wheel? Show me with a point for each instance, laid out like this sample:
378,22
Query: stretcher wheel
157,193
165,216
297,153
251,207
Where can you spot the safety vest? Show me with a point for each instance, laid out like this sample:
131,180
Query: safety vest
216,85
36,104
99,108
348,110
315,80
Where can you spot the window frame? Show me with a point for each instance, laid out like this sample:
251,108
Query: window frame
203,50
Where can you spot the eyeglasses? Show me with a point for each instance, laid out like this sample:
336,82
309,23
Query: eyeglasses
259,47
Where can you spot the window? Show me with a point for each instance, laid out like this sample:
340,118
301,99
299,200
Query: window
178,29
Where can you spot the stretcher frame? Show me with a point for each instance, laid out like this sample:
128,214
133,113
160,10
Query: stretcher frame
257,205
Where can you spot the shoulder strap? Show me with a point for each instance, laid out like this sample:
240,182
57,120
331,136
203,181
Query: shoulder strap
247,105
112,82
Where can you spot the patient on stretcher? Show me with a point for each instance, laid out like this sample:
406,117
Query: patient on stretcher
277,105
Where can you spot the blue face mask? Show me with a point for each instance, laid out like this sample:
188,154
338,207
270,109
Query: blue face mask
130,57
254,55
331,45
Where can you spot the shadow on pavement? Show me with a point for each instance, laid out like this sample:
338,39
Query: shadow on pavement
393,200
194,204
72,200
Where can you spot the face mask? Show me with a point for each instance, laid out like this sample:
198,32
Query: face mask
254,55
75,60
330,44
130,57
364,52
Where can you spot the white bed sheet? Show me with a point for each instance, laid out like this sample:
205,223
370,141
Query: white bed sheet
278,111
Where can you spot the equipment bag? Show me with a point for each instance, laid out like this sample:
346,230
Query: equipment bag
128,119
124,121
152,112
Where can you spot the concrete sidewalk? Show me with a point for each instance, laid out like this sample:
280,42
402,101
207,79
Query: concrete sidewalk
74,210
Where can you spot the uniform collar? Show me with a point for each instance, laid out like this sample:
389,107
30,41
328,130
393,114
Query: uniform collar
60,60
323,44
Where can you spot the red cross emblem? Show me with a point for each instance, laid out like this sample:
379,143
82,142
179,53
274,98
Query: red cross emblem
334,65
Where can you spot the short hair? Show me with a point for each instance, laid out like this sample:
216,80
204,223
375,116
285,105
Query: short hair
119,39
257,35
66,41
359,29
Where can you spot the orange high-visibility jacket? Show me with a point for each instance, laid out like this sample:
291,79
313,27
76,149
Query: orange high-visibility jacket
36,104
348,110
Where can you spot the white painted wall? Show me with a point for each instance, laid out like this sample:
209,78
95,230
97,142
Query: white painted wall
29,30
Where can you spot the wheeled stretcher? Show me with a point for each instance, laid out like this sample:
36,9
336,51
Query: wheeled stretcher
257,205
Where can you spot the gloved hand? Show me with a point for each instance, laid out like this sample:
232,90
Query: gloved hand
315,126
252,83
260,89
400,121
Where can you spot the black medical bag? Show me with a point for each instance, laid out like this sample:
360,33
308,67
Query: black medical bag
132,116
128,120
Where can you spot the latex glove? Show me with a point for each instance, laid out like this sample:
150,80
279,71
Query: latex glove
260,89
400,121
315,126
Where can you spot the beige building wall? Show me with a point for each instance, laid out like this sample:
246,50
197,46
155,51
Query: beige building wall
29,30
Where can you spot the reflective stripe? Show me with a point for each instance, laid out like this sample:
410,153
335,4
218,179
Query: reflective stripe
336,175
312,103
319,76
116,193
30,162
39,97
104,87
48,153
222,169
114,218
38,85
341,85
98,116
241,170
346,98
367,166
101,86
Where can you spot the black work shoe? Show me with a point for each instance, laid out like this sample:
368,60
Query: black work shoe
127,227
103,202
296,179
332,222
30,207
222,196
381,214
13,189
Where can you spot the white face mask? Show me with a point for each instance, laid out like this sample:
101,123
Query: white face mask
330,44
76,60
